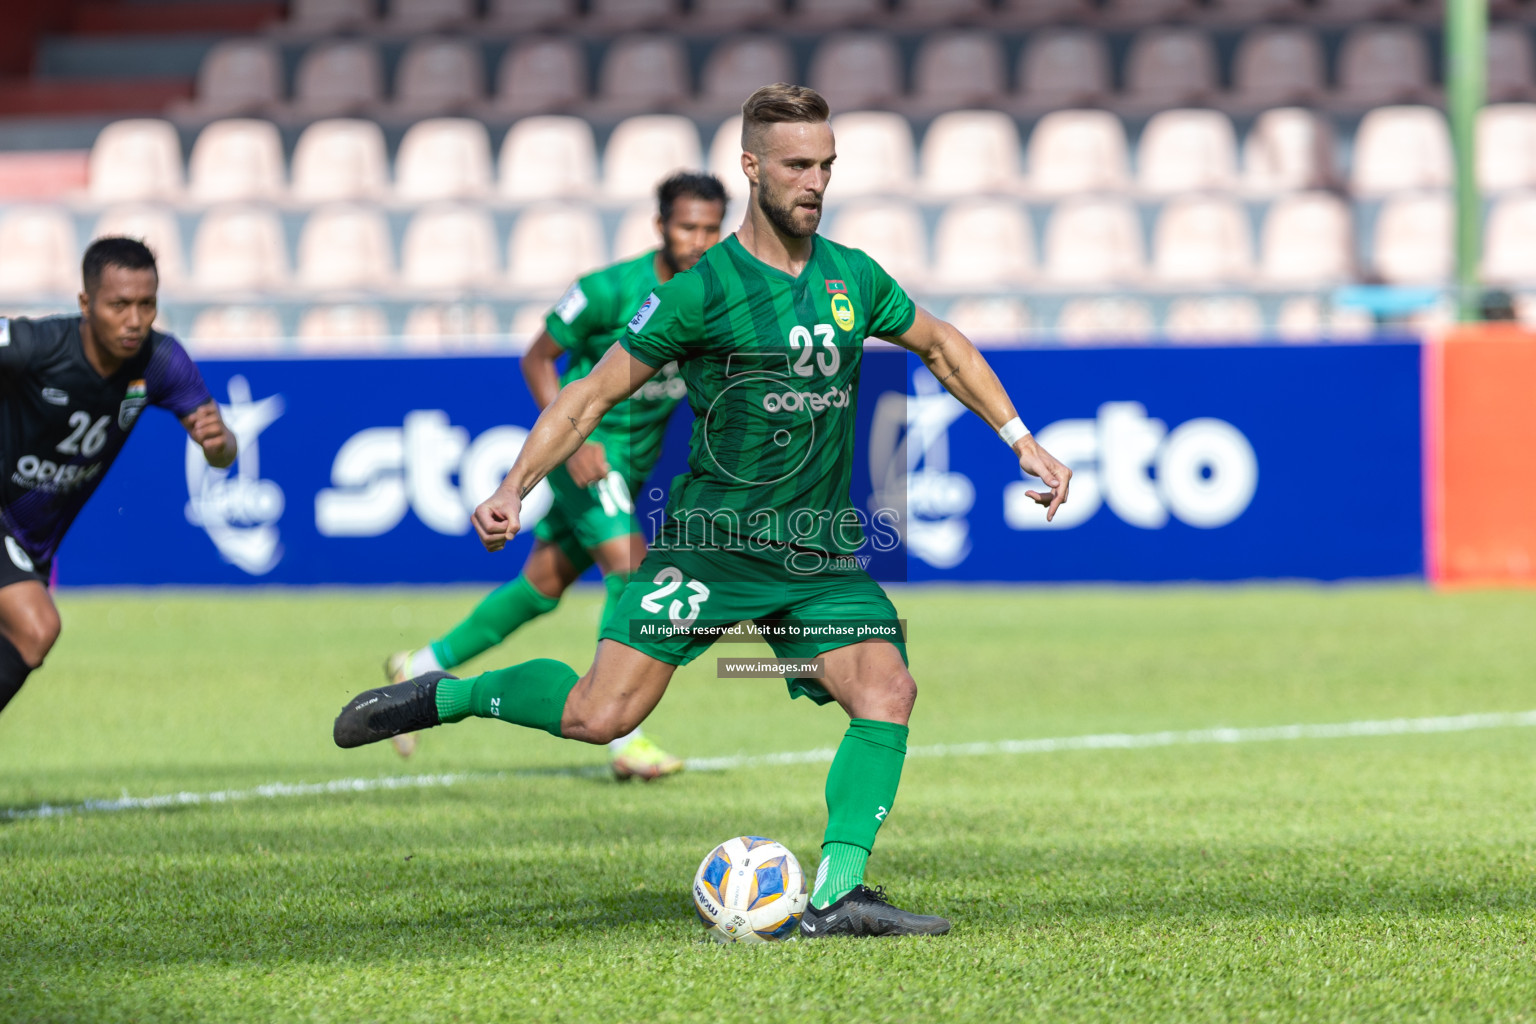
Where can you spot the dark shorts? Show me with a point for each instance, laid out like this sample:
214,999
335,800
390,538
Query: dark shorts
16,566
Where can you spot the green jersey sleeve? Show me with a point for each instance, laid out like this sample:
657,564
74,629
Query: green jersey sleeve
669,326
891,310
584,310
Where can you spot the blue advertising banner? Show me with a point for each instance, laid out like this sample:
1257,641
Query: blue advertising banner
1191,463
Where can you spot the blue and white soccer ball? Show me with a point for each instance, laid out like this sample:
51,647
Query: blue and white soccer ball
750,889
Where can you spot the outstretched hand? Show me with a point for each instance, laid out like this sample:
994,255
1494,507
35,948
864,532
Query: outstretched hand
1036,461
497,519
207,429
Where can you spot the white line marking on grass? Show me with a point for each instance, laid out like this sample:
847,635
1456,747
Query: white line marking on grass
1049,745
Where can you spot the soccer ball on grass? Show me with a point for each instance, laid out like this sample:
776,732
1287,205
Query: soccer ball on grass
750,889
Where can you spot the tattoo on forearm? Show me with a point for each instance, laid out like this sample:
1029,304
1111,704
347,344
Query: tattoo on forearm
576,428
952,373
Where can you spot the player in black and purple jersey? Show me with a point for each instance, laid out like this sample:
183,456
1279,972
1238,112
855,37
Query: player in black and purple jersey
71,389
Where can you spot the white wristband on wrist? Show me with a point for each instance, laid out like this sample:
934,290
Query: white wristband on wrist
1011,431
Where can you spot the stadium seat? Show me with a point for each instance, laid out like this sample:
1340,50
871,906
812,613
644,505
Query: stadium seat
1304,318
236,329
1202,241
645,149
528,15
527,321
1399,148
979,244
1308,239
1170,66
439,76
335,78
1078,151
429,15
1248,12
857,70
450,248
345,248
1276,65
1509,250
1287,150
1187,151
718,15
644,73
989,319
725,156
548,156
1027,13
136,159
1381,64
1506,147
239,76
540,75
823,14
239,249
1349,12
636,232
1107,319
39,254
1412,240
959,69
447,327
552,245
1063,67
341,158
738,66
968,152
1094,242
889,230
628,15
239,158
443,158
348,328
931,13
156,227
321,16
874,154
1146,12
1511,68
1214,318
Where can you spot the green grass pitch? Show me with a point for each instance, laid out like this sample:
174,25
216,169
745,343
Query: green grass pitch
1369,879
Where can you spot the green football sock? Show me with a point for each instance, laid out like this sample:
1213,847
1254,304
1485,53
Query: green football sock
861,787
614,584
531,694
498,615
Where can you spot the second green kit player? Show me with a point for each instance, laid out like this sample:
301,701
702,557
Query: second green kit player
592,520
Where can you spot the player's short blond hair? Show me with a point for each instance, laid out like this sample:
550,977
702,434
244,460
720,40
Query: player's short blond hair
779,103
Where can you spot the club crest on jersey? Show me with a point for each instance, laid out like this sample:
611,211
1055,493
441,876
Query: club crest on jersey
842,309
134,401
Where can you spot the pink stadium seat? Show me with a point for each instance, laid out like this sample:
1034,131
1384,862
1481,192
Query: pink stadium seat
874,154
543,157
443,158
969,152
1308,239
738,66
136,159
1111,319
1187,151
1412,240
1202,241
345,247
637,231
527,15
1169,66
989,319
1511,68
929,13
734,14
1278,64
857,70
645,149
448,327
239,158
236,329
1288,149
1045,12
890,230
959,69
339,77
340,158
239,76
980,244
1383,64
449,248
551,245
39,254
1214,318
1147,12
348,328
239,249
832,13
1078,151
438,76
725,156
320,16
1509,250
1062,67
1247,12
1506,147
1351,11
429,15
644,73
541,75
1093,242
1399,148
628,15
156,227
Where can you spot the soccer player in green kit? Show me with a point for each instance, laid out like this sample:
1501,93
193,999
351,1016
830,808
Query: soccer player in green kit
768,332
592,518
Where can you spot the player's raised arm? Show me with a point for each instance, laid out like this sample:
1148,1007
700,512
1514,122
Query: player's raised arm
561,428
208,430
963,371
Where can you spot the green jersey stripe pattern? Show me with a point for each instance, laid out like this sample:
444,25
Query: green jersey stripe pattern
771,366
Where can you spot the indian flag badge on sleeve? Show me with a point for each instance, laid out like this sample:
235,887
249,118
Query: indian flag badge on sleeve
134,400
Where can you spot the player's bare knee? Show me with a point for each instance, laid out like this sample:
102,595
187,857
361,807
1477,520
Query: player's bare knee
901,695
35,633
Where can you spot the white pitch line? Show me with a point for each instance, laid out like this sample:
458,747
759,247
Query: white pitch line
822,755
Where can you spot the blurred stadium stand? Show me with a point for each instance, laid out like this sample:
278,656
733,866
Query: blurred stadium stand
325,175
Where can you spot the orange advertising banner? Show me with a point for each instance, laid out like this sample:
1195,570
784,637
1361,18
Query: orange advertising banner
1480,453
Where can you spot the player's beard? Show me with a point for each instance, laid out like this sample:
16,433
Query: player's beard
783,215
